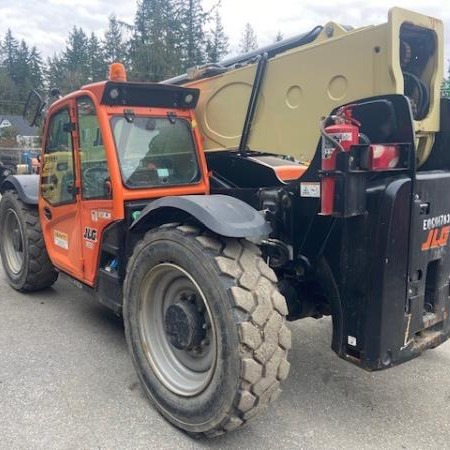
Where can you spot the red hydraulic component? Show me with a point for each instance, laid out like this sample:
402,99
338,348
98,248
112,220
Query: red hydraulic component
336,138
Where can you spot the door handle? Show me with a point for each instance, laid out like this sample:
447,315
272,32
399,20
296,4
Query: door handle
47,213
71,189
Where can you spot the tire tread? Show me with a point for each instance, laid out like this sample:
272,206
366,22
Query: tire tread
264,338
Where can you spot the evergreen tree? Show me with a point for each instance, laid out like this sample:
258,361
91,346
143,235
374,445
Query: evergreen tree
76,54
155,45
217,46
55,72
96,60
167,37
20,70
190,21
71,69
20,67
114,45
249,40
9,99
36,69
10,46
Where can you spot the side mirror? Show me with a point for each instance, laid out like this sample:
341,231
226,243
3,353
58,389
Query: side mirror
33,108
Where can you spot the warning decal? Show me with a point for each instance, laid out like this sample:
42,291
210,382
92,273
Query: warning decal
61,239
310,189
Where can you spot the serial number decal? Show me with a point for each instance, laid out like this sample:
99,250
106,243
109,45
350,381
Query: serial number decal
90,234
436,222
437,237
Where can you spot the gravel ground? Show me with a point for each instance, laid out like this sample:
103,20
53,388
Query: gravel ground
67,382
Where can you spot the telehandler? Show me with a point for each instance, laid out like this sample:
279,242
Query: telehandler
205,254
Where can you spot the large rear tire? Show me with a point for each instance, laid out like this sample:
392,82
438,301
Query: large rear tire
205,325
22,245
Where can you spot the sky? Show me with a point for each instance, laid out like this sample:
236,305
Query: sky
45,23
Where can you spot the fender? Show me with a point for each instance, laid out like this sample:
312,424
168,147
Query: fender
27,186
223,215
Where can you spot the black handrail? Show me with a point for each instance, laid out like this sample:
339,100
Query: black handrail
253,102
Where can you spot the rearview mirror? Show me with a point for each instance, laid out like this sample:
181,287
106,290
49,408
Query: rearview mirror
33,108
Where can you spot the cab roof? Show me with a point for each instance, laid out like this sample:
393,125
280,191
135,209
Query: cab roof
153,95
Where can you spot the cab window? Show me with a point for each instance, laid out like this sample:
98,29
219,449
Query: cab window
58,174
155,151
94,168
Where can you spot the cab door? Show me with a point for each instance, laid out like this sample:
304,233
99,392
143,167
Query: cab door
59,202
96,205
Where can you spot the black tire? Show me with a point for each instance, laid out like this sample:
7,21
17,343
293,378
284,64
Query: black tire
248,313
27,266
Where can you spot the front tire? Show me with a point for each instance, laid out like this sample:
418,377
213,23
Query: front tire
22,245
205,325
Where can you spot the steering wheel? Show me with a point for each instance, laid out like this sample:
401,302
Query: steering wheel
94,181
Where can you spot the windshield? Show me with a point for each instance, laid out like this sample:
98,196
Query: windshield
155,151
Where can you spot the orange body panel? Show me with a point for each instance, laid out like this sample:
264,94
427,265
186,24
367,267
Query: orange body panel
73,234
62,235
289,173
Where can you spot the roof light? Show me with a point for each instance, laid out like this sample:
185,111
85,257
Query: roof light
117,72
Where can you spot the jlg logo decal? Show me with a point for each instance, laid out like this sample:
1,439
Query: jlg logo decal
90,234
436,238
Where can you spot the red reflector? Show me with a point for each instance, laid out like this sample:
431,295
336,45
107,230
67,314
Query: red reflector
383,157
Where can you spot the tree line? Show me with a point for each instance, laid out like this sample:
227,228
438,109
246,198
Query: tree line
165,38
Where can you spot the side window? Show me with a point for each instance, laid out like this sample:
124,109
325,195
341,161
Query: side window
94,168
58,174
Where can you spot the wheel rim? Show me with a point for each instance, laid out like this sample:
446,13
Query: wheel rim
168,291
13,242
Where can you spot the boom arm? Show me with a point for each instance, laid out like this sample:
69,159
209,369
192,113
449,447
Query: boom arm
309,76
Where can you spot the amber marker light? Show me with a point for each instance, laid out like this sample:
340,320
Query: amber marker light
117,72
